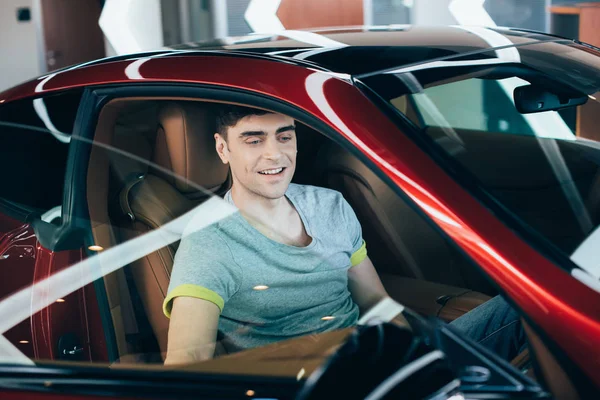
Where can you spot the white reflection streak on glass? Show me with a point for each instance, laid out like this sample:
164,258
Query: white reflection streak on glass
309,53
40,108
586,256
132,71
51,214
9,354
445,64
403,373
14,308
384,311
315,89
423,100
587,279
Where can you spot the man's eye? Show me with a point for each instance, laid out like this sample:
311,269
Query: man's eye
285,138
253,142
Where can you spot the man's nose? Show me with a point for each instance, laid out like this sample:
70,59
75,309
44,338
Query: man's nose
272,149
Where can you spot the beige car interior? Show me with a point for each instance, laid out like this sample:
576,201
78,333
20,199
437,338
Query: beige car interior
163,163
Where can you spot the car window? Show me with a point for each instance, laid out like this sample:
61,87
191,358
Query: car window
473,104
543,167
155,233
34,141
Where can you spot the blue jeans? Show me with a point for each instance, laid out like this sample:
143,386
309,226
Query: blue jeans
496,326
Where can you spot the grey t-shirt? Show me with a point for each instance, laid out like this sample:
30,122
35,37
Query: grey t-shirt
268,291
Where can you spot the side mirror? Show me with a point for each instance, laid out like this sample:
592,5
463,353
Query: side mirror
533,99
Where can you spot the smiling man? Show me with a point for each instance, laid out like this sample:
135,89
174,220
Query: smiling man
292,262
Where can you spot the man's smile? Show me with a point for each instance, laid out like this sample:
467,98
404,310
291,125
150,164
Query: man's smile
272,171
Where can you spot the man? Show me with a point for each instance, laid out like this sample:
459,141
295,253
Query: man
291,263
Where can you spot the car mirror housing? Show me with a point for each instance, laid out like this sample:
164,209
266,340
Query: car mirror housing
535,98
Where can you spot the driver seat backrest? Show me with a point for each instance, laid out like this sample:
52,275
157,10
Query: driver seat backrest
399,240
185,171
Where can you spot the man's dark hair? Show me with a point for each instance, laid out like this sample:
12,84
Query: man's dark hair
229,115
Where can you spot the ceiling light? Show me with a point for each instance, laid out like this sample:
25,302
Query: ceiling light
328,318
23,341
60,300
591,97
260,287
96,248
250,393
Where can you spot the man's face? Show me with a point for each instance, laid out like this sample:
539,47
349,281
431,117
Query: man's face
261,150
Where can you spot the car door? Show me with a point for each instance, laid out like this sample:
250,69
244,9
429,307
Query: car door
34,137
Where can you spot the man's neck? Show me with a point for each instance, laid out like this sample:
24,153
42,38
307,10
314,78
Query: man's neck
258,207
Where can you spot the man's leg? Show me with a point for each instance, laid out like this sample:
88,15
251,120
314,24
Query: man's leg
495,325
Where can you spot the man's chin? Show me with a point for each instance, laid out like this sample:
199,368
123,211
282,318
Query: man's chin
274,192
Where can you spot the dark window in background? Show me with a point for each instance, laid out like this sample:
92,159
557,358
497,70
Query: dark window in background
32,159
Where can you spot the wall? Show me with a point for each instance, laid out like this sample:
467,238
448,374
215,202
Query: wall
132,26
431,12
19,59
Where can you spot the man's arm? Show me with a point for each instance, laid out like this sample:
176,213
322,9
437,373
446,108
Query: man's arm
365,286
192,330
367,290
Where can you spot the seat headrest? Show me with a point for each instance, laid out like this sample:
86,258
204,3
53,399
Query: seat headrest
185,145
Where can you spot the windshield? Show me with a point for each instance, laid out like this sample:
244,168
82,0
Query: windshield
544,167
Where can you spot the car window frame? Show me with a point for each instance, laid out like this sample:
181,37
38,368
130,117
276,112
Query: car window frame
75,210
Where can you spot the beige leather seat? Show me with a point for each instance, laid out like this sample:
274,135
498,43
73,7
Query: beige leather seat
400,242
185,147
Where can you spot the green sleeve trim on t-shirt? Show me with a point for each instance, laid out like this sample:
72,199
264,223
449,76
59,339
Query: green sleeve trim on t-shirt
189,290
359,255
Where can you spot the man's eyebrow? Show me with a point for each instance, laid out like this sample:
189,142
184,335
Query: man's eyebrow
252,133
285,129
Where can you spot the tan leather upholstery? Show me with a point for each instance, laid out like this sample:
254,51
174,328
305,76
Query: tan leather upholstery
103,231
185,146
399,241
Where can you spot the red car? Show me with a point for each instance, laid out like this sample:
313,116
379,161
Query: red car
469,155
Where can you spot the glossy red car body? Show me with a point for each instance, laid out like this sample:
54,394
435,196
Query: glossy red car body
564,309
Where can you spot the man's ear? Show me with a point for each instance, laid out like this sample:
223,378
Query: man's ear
221,147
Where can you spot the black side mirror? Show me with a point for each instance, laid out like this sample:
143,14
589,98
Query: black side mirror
534,98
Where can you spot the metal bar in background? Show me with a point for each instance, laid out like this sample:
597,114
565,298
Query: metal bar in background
218,10
36,11
367,12
184,21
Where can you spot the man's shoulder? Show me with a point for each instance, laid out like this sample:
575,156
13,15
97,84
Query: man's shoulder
214,235
313,193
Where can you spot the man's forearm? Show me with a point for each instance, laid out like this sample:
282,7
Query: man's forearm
190,355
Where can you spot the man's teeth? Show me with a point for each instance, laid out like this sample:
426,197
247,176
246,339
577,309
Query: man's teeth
271,171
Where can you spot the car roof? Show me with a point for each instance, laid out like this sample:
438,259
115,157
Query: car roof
366,49
353,51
